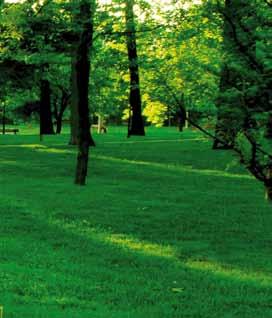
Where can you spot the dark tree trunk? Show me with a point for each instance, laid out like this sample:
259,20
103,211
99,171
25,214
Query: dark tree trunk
136,126
74,116
4,120
58,125
181,113
46,122
59,113
82,71
268,132
74,120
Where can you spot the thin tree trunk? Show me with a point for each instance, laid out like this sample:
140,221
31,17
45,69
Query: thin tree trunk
59,114
58,125
268,132
74,120
4,119
136,122
82,71
46,121
181,114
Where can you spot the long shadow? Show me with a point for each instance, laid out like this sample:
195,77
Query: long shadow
67,267
221,226
177,152
43,151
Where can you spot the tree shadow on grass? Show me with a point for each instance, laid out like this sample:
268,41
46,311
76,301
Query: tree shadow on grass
216,232
69,269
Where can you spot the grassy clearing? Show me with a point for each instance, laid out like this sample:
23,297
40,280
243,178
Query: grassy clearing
166,227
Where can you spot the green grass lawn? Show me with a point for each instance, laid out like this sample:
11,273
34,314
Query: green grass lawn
166,228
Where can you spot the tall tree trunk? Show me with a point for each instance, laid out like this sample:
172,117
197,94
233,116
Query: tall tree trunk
46,121
268,184
268,132
82,72
74,120
4,119
58,125
181,113
75,100
136,121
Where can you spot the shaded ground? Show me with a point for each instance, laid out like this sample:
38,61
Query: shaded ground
166,227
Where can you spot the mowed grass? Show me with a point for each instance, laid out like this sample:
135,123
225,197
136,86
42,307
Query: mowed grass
166,227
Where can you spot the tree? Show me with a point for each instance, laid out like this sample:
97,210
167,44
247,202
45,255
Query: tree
46,120
35,40
245,87
230,117
84,22
136,125
183,58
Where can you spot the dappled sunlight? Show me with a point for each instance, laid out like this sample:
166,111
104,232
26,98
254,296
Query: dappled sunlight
131,244
29,146
226,271
126,242
165,166
180,140
40,148
55,150
8,162
171,167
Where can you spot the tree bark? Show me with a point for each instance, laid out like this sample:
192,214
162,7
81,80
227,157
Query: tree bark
4,120
82,72
63,105
181,114
46,122
74,119
74,116
268,132
75,89
136,126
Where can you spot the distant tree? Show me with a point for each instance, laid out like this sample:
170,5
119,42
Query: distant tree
183,57
46,116
34,38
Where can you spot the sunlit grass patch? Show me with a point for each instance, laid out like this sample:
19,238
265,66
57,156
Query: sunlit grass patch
122,241
55,150
207,172
230,272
